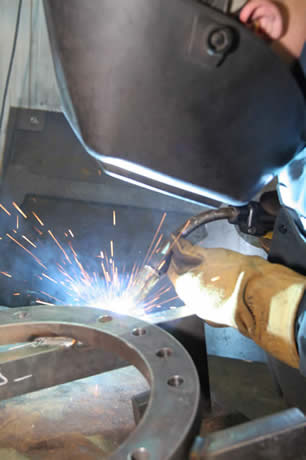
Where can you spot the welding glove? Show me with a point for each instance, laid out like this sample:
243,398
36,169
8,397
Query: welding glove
226,288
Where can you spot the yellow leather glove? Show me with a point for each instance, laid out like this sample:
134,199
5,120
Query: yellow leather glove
226,288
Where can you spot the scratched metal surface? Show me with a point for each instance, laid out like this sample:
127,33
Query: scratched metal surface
86,419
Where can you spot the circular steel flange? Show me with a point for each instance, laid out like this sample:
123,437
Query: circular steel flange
171,419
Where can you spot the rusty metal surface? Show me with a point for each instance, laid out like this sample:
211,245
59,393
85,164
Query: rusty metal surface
174,397
31,370
85,419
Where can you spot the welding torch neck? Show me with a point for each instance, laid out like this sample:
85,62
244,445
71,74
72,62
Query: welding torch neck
161,263
205,217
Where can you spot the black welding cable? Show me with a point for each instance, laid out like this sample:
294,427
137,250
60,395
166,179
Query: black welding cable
9,72
206,217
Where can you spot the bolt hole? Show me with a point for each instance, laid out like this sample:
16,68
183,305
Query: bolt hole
21,314
164,352
176,381
105,319
139,454
139,331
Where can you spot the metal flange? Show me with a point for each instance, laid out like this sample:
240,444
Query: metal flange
171,420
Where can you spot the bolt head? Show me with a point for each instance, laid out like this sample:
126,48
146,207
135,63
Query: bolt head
282,229
221,40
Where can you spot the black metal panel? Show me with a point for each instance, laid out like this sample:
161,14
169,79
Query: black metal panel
43,156
143,84
47,171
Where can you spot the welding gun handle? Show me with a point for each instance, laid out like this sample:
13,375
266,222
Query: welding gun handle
253,219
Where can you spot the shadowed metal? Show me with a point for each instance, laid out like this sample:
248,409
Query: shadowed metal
174,397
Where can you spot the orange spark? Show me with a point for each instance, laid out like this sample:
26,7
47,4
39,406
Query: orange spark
163,290
154,237
105,272
70,231
62,270
103,269
17,222
38,231
83,271
44,303
38,219
61,248
6,274
30,242
73,251
16,293
5,210
19,210
151,302
49,278
169,300
155,248
161,264
106,260
51,296
112,248
175,240
27,250
132,276
114,218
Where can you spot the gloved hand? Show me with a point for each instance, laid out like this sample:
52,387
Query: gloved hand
257,297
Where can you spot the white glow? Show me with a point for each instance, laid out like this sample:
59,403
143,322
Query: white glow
123,304
158,177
